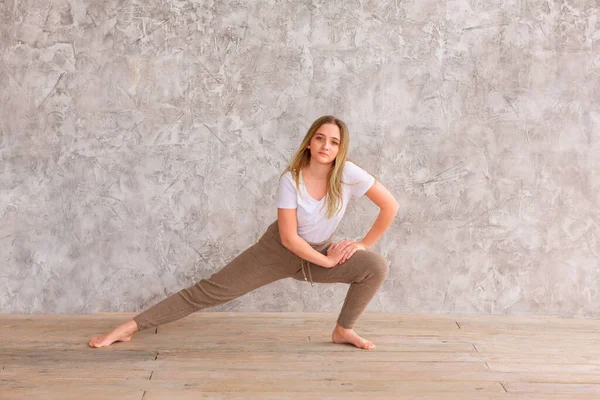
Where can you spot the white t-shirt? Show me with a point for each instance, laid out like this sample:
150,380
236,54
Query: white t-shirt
313,225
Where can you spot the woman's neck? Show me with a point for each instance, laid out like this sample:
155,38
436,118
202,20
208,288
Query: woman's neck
318,171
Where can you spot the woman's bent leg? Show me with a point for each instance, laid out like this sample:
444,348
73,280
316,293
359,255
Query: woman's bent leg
365,271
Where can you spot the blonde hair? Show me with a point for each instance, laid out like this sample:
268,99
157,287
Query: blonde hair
301,159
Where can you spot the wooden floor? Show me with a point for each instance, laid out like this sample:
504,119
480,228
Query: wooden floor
266,356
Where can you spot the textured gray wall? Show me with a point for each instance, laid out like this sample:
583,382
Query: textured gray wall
141,143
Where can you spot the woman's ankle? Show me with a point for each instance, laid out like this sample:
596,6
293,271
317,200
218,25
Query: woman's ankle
135,326
341,328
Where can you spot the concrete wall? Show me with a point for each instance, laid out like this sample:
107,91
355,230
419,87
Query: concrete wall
141,143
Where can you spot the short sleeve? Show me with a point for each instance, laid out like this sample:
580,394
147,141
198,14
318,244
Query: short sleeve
287,195
359,180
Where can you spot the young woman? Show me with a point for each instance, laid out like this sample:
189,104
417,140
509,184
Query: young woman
313,194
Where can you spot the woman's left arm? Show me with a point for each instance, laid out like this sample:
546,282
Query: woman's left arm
388,209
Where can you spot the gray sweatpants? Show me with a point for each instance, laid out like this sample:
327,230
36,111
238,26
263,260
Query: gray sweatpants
268,261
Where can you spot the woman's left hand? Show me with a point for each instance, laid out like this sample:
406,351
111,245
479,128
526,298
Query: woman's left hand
349,247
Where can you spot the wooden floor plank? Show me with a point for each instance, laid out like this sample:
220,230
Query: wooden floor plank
194,394
544,387
377,376
77,393
266,384
544,367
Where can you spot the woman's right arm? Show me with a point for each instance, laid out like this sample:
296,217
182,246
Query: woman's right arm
288,231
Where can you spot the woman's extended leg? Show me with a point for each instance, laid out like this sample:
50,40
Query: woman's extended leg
365,271
264,262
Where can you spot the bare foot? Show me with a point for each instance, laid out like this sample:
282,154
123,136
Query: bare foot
342,335
121,333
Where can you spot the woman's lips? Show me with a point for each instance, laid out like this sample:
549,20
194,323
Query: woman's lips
323,154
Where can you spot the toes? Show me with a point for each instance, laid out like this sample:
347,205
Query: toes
368,345
96,341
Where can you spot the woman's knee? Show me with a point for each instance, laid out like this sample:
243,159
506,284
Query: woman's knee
377,264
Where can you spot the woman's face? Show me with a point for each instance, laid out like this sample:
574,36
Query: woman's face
325,144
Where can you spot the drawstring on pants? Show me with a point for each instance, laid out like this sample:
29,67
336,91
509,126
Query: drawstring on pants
303,262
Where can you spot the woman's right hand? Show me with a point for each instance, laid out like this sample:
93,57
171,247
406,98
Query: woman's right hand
335,252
